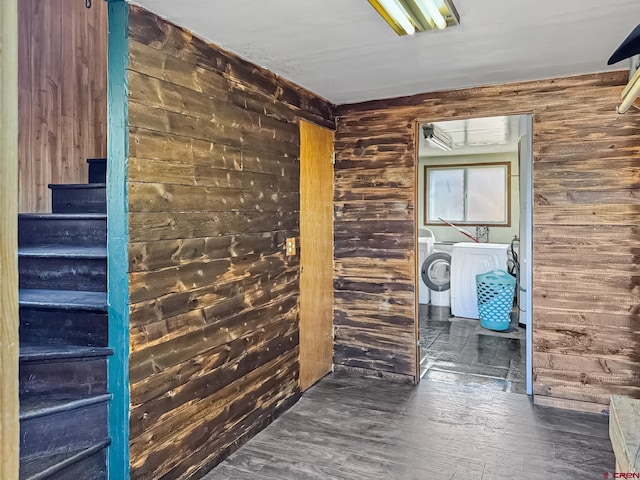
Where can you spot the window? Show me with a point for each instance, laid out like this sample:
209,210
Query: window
476,194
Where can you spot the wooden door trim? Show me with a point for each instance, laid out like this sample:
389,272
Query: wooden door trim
118,238
9,341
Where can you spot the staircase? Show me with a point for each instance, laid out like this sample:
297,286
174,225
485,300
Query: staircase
62,260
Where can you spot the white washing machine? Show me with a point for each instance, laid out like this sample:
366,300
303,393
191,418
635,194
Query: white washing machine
435,273
426,241
468,260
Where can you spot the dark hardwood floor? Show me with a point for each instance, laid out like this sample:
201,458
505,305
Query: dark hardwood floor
459,350
355,428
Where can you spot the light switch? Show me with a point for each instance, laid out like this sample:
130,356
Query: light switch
291,246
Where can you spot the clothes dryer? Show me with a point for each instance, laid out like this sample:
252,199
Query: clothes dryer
468,260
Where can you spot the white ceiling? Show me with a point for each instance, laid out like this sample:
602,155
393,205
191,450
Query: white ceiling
343,51
477,136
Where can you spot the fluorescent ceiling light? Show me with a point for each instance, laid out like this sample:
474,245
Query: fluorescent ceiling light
398,14
430,7
437,137
409,16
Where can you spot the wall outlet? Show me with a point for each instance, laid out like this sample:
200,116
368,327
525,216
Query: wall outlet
291,246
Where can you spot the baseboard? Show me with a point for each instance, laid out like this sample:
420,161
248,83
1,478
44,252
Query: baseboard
346,370
566,404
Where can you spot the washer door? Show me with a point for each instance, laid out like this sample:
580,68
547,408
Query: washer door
436,271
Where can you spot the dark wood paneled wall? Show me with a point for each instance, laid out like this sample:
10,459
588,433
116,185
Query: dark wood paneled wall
62,95
213,193
586,294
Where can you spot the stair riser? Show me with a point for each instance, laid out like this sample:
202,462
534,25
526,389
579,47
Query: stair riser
51,231
79,200
46,327
72,428
93,467
63,273
97,171
72,376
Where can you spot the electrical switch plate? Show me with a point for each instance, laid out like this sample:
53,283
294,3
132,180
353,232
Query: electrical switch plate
291,246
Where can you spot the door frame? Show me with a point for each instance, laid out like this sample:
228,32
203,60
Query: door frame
118,239
528,171
9,341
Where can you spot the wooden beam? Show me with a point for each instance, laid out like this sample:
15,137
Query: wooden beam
623,431
118,237
9,346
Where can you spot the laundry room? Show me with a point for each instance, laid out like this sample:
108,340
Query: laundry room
473,228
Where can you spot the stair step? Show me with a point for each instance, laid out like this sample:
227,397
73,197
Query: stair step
87,463
49,424
63,317
45,353
63,300
70,327
97,170
63,370
88,229
78,198
63,251
63,267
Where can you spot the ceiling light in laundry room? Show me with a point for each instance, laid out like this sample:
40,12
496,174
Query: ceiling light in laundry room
437,137
409,16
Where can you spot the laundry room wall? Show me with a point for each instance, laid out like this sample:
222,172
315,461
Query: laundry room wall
586,293
497,233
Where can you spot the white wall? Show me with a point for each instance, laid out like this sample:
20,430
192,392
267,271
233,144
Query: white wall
497,234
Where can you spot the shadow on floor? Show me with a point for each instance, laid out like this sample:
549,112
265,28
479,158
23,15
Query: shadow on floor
458,350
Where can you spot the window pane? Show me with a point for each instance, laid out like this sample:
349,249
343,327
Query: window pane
486,195
445,194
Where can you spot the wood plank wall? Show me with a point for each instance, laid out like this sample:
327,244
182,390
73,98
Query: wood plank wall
213,183
586,288
62,96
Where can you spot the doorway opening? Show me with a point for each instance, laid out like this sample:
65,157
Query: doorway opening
474,203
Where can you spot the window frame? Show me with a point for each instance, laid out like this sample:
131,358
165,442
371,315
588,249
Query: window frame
465,167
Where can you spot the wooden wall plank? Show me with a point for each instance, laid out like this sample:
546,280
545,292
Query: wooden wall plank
213,186
9,342
63,95
150,226
586,294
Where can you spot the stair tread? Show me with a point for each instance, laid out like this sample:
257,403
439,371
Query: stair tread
40,467
65,216
63,251
34,353
39,406
54,186
63,299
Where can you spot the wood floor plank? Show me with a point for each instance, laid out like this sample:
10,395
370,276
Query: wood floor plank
361,428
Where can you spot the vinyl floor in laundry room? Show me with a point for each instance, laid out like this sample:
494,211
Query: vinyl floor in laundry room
348,428
459,350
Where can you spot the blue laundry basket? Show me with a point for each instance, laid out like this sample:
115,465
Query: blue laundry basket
495,299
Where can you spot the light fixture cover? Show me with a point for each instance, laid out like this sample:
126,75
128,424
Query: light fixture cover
437,137
408,16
